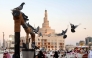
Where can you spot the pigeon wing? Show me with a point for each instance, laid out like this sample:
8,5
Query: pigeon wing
65,30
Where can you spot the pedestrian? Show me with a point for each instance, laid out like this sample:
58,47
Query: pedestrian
6,55
56,55
13,56
90,52
41,55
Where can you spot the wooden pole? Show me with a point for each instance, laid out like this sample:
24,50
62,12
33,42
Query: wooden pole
17,22
17,45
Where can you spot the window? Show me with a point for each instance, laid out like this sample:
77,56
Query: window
48,46
45,40
60,43
51,46
55,46
48,43
38,43
44,43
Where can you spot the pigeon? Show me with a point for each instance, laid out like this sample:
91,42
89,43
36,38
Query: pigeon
37,29
73,27
84,28
25,17
34,29
63,33
21,6
17,13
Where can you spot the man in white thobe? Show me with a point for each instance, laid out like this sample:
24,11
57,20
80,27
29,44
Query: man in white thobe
90,53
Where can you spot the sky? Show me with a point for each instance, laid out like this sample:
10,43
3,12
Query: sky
60,13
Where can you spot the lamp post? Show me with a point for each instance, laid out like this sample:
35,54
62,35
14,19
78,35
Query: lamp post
10,38
3,41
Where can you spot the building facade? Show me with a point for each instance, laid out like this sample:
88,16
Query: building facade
69,47
87,40
50,43
48,39
77,44
81,43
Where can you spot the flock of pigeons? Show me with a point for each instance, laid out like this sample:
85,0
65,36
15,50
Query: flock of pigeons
73,27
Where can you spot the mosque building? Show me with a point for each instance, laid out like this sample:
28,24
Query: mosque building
47,37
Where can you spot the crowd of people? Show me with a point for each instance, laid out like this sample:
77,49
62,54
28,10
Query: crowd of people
76,53
84,53
58,54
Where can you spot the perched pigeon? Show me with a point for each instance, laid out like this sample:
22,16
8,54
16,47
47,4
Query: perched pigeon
21,6
73,27
35,30
25,17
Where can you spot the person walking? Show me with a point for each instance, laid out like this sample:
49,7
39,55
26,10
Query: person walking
41,55
6,55
56,55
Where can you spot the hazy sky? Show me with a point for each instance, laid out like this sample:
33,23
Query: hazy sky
60,13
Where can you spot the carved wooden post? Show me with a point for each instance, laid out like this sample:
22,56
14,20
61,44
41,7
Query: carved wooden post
17,16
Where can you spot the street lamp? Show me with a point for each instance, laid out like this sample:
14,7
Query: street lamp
3,40
10,39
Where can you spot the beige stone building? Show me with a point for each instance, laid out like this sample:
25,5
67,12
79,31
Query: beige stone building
48,39
69,47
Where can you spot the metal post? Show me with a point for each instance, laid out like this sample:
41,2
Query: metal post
42,41
17,44
3,41
9,45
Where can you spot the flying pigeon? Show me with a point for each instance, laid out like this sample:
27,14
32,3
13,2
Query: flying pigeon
84,28
63,33
73,27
